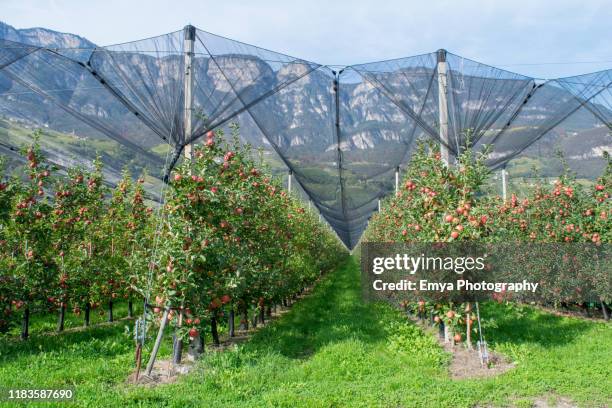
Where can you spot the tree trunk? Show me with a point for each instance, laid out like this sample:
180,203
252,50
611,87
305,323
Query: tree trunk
244,319
585,309
62,317
230,323
441,329
214,332
254,321
468,331
138,359
177,349
110,311
262,313
25,326
87,310
196,347
269,311
177,343
130,309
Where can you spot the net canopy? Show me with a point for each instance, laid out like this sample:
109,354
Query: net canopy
341,133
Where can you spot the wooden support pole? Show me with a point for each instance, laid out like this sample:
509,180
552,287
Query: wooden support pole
504,177
289,177
158,340
443,106
189,41
396,179
604,310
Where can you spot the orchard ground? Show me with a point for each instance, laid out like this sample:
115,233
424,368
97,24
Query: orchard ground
330,350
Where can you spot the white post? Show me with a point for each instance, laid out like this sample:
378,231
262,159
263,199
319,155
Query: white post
504,177
378,205
443,107
189,41
289,177
396,179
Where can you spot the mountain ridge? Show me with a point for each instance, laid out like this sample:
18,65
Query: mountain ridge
43,37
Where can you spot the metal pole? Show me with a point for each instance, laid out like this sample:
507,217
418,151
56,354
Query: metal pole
289,177
189,41
396,179
504,176
443,107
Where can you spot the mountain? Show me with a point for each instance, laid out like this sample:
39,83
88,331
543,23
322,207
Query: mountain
43,37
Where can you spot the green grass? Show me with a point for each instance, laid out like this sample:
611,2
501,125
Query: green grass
332,350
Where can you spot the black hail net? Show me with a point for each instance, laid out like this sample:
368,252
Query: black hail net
341,133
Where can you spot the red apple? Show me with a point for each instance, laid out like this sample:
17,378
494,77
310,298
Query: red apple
193,332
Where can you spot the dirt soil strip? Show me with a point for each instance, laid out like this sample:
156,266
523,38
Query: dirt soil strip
465,363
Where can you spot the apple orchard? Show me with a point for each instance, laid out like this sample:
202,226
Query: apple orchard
228,239
229,242
447,204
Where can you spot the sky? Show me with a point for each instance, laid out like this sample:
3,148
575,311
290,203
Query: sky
543,39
